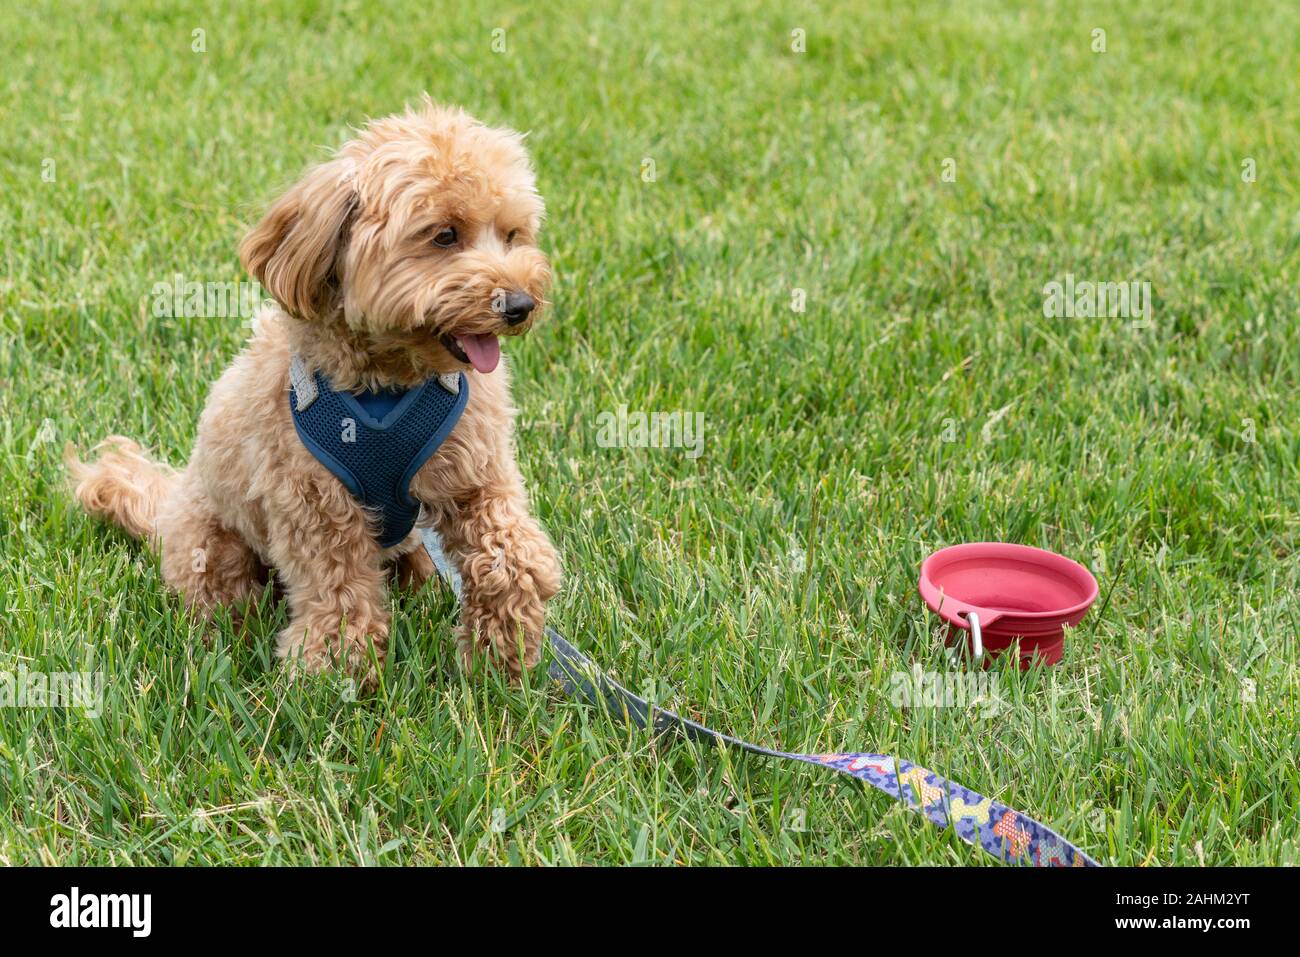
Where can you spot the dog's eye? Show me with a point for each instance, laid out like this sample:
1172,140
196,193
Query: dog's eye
510,237
445,237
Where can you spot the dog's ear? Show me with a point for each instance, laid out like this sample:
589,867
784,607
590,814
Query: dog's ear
295,249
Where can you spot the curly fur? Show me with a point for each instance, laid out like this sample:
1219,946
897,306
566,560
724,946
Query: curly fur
363,294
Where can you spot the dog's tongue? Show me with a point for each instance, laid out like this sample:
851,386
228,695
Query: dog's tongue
484,351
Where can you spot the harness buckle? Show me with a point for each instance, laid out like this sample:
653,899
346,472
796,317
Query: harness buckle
304,383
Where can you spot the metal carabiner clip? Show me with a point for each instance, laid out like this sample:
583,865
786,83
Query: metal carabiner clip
976,636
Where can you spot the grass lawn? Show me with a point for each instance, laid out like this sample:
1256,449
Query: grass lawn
767,587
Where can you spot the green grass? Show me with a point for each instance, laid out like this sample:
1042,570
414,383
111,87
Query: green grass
768,586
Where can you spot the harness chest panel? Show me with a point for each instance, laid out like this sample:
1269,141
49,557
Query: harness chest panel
375,442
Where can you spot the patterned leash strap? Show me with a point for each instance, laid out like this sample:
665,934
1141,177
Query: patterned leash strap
1008,835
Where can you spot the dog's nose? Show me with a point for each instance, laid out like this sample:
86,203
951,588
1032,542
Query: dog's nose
517,307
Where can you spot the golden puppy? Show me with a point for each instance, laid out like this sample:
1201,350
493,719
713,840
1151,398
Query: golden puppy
402,258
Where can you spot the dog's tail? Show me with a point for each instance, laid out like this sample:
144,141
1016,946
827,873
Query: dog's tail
122,485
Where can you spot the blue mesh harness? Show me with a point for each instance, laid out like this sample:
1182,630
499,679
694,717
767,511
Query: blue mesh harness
375,442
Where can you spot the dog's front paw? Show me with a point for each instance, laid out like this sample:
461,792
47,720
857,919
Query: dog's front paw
313,647
504,601
511,642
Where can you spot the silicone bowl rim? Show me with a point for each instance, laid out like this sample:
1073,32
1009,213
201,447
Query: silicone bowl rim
936,599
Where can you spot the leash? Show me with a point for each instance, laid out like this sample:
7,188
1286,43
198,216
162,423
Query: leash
1008,835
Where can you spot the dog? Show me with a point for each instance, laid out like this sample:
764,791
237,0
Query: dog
394,267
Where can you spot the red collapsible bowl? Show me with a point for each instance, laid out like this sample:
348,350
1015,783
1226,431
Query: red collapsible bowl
1023,596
